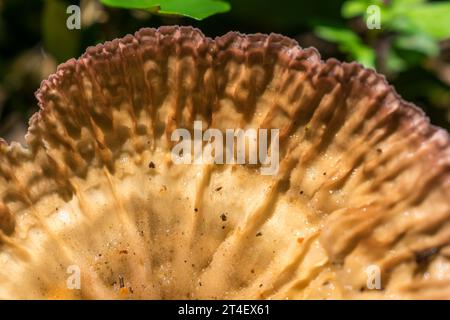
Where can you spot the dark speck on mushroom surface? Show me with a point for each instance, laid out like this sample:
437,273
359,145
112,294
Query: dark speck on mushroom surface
218,188
151,165
223,216
425,255
259,234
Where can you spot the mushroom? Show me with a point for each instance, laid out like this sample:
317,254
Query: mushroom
94,207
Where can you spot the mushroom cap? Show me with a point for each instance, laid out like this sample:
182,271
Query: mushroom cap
363,182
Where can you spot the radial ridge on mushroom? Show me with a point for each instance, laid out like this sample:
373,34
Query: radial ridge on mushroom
93,207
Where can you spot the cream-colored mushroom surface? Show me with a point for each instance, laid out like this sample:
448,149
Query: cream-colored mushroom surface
363,183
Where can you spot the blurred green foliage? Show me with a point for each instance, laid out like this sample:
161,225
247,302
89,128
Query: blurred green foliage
349,42
408,42
414,26
412,47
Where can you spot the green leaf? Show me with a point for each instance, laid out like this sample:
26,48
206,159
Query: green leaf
354,8
432,18
405,4
400,23
196,9
419,16
336,34
349,43
131,4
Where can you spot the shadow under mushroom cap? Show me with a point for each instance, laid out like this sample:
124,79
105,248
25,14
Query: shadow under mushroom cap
364,178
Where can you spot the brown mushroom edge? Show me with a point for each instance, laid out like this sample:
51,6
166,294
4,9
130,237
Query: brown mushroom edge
366,170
